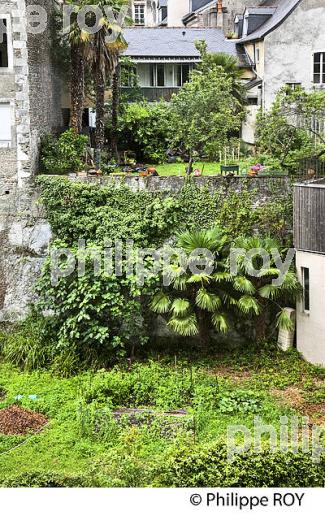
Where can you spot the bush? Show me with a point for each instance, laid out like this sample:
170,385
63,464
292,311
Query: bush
207,466
144,128
26,345
64,154
39,479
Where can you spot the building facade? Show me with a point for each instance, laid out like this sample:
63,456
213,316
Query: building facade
30,106
310,261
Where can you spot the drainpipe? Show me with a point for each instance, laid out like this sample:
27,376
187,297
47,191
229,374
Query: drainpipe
219,15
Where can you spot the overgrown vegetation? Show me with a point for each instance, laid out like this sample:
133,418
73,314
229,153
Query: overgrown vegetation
88,442
293,128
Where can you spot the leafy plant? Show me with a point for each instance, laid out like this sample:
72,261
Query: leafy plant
63,154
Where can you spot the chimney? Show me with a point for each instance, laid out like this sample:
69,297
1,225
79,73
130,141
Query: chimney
220,15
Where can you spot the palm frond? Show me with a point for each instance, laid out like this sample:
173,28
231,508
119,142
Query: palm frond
180,307
243,285
160,303
207,300
248,304
184,326
220,322
283,321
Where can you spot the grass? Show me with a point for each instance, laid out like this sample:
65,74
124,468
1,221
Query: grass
207,168
83,439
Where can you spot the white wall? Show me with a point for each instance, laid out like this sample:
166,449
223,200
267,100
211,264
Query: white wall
311,326
289,49
177,9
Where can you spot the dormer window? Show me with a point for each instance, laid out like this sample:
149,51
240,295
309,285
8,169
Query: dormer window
139,13
319,67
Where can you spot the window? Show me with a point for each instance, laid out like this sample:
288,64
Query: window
139,14
306,287
319,67
253,101
5,126
4,62
257,55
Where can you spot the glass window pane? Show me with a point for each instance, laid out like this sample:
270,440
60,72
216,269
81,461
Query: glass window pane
185,73
316,78
160,75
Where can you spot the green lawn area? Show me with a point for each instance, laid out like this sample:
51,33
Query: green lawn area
207,168
84,441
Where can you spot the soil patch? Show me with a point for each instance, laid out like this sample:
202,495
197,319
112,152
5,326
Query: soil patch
236,376
291,396
15,420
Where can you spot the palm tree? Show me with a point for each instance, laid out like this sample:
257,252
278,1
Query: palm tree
229,64
197,303
105,59
79,40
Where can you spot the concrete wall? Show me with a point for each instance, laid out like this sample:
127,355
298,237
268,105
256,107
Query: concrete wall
289,49
311,325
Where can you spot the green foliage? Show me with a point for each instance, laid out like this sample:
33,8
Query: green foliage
209,467
205,113
26,345
63,154
213,296
287,132
96,314
144,128
46,479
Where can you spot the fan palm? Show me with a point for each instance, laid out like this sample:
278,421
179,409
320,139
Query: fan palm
211,296
104,58
78,39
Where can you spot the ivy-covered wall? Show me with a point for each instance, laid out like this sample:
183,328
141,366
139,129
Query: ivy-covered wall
148,211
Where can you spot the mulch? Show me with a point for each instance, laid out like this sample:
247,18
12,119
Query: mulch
16,420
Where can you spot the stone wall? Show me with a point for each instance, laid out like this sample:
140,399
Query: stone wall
265,187
24,240
32,87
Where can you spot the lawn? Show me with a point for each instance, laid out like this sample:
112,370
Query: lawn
91,439
207,168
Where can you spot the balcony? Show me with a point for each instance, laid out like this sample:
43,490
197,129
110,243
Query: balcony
156,93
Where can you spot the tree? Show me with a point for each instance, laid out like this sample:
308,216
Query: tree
108,42
205,113
294,126
79,40
229,65
214,297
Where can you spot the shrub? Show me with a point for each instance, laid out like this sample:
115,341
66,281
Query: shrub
208,466
63,154
144,128
26,345
40,479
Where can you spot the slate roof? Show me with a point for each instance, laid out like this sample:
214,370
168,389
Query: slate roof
283,10
176,42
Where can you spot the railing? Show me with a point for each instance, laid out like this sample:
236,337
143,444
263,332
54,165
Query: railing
156,93
309,217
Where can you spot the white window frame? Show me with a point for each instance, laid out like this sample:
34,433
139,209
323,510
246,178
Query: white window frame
10,52
139,5
8,142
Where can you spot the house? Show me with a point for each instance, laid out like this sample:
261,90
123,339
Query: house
285,41
164,57
309,237
189,13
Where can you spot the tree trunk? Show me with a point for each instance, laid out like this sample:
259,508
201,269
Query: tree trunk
190,165
100,106
115,110
77,87
204,329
